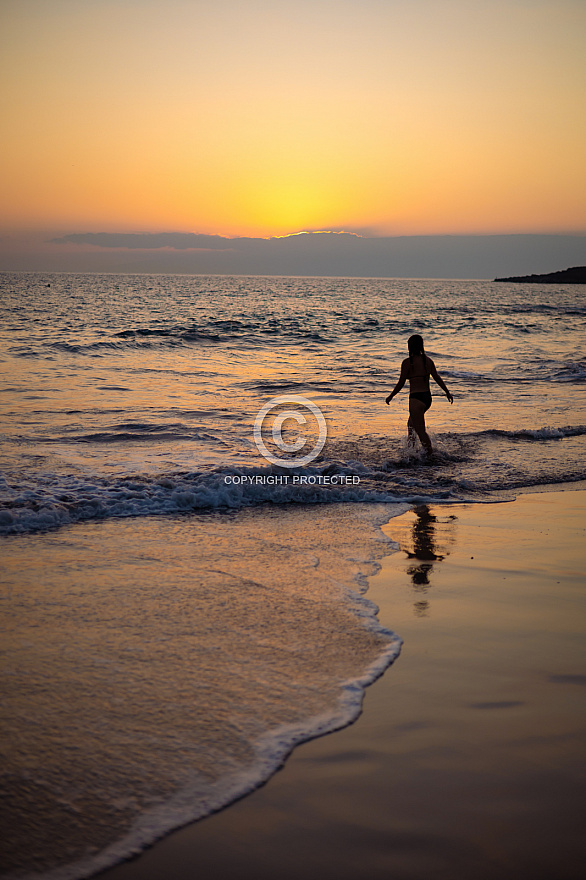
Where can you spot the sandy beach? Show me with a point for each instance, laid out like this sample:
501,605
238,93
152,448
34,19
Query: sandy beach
292,440
468,759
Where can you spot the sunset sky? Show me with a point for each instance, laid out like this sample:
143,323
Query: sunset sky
267,117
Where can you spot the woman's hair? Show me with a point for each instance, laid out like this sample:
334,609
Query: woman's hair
415,346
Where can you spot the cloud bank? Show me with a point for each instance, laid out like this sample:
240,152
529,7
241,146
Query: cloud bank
330,253
315,253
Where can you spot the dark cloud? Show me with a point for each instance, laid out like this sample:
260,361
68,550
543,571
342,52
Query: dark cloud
178,241
329,253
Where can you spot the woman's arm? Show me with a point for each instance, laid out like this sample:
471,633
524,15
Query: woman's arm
439,380
400,383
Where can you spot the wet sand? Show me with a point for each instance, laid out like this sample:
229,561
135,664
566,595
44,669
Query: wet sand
468,760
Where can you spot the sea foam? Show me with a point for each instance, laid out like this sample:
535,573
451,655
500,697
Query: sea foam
181,661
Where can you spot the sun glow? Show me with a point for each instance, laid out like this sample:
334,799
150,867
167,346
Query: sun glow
279,207
262,119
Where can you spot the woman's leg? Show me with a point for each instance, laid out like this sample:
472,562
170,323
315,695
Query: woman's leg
416,423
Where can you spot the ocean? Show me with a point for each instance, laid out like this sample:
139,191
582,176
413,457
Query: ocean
178,609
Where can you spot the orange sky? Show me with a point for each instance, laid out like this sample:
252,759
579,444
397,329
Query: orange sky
263,118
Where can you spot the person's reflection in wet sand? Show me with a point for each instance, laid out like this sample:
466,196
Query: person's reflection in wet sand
426,550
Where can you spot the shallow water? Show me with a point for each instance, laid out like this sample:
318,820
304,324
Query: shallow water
155,669
113,385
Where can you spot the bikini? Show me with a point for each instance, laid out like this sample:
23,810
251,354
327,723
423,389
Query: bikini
423,396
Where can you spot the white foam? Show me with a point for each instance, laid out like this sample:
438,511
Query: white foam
51,501
197,799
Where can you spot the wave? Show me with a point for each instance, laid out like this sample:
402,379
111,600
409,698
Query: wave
470,467
51,502
546,371
133,432
121,437
143,339
154,338
141,432
267,332
537,434
572,372
304,387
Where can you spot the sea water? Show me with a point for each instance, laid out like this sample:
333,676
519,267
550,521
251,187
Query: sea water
179,611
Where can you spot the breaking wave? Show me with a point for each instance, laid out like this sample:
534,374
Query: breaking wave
470,467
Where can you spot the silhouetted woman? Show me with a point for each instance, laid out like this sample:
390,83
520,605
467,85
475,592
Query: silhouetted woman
418,367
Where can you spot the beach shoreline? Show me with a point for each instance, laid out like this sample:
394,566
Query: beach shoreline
467,760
